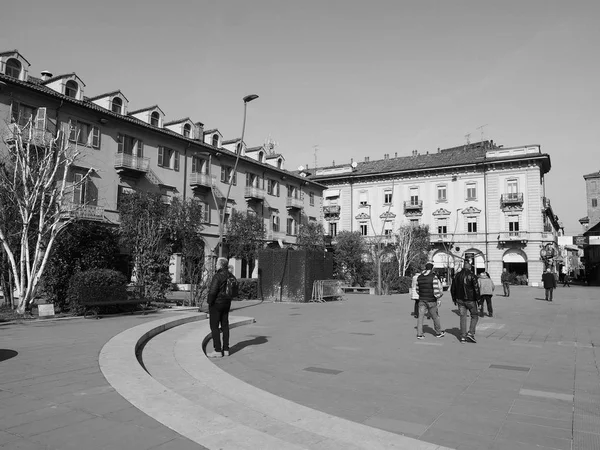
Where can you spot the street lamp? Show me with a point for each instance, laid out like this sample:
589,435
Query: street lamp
247,99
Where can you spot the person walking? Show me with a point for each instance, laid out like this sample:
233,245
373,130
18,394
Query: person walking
219,303
465,294
505,283
486,290
566,280
549,281
429,289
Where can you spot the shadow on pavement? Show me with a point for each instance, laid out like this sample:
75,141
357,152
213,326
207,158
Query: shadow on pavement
7,354
258,340
454,332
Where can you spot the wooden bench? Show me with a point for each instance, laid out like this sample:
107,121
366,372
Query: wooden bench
358,290
91,308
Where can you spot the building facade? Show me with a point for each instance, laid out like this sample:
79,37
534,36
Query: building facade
591,228
140,150
482,203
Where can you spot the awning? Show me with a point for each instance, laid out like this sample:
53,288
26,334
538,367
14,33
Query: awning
442,260
331,193
514,256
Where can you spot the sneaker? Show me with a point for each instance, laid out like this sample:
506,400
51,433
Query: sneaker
214,355
420,336
441,334
225,352
463,340
471,338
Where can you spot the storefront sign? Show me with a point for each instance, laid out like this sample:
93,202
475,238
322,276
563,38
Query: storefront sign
580,240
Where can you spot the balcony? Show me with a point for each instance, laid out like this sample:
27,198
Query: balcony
201,180
72,210
131,164
511,199
275,235
294,203
413,207
513,236
254,193
331,210
441,238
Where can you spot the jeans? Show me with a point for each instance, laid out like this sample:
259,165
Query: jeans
485,298
549,292
463,307
432,308
219,315
416,310
506,287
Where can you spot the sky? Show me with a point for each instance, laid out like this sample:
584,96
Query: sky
344,79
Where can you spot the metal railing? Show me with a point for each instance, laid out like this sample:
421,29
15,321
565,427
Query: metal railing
295,203
275,235
254,192
413,204
512,197
125,161
78,211
514,236
331,209
202,179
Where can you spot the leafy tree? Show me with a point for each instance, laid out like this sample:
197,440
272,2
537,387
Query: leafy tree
349,257
245,236
35,180
311,236
81,246
412,247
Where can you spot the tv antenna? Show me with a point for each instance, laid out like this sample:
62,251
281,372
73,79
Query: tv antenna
481,130
316,148
468,138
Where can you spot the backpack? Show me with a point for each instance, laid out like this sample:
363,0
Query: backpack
230,287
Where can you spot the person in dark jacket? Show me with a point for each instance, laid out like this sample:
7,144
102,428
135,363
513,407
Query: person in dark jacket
549,281
219,305
429,290
465,294
505,283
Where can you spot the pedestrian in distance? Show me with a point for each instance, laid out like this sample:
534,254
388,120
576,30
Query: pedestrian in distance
505,284
566,280
415,296
465,294
486,290
429,289
549,281
222,290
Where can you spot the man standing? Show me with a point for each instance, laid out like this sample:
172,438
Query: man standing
504,281
465,294
219,304
486,290
429,289
549,281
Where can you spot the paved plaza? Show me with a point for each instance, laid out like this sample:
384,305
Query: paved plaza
531,382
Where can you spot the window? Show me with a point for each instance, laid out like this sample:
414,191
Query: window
252,180
155,119
512,186
187,129
275,223
13,68
471,191
117,105
333,229
594,202
292,192
513,225
441,193
442,226
593,185
363,198
84,134
169,158
364,229
312,219
311,198
388,228
414,222
261,157
279,163
471,224
273,187
215,140
22,114
226,173
121,191
205,213
79,189
387,197
71,89
414,196
199,165
130,145
291,226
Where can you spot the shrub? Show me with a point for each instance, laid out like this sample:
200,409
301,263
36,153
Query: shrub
248,288
521,279
403,285
96,285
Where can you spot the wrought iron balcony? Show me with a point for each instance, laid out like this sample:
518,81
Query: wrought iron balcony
296,203
512,198
513,236
131,163
77,211
441,237
331,210
254,193
413,205
201,180
275,235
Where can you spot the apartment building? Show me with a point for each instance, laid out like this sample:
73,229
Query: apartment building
482,202
591,228
139,149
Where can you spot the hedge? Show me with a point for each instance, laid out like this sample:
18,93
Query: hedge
96,285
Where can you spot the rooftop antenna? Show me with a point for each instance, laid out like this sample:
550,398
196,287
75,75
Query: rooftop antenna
481,129
468,138
316,147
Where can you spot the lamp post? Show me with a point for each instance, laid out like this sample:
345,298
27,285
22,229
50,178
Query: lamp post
247,99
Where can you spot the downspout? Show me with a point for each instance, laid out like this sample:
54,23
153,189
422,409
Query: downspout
185,164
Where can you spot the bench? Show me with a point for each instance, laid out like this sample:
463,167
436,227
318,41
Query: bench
91,308
358,290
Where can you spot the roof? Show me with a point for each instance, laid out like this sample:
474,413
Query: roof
593,230
274,155
592,175
254,149
130,113
60,77
175,122
231,141
212,131
108,94
11,52
585,219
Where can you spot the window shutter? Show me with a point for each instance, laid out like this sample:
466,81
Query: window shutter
194,164
223,174
140,148
15,112
40,119
161,156
72,130
95,137
176,161
119,143
277,187
77,177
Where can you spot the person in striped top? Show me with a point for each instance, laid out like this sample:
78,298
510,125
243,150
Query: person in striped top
428,287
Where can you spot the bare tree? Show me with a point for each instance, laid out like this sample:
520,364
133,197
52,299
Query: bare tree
35,180
412,244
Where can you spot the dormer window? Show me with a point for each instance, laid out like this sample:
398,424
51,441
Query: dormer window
215,140
279,163
261,157
187,129
117,105
71,89
13,68
154,119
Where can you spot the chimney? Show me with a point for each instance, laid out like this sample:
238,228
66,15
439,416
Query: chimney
46,75
439,150
333,163
199,131
366,159
385,156
351,160
396,155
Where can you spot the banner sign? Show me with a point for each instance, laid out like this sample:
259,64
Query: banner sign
581,240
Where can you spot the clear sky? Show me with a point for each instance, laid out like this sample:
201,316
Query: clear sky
354,78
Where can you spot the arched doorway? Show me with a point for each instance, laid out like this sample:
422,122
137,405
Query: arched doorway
476,259
443,265
515,261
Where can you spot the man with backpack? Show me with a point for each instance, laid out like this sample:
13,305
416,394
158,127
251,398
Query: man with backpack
428,288
222,290
465,294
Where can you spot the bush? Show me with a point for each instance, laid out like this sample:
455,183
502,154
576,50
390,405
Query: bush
521,279
248,288
403,285
96,285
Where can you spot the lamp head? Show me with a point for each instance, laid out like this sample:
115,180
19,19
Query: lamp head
249,98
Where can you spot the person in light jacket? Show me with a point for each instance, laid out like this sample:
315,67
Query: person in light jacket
486,290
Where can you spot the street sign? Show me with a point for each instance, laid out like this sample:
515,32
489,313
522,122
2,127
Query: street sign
581,240
594,240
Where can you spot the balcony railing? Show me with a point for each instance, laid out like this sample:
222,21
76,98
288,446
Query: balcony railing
441,237
513,236
123,161
201,180
331,210
275,235
297,203
255,193
87,212
511,198
413,205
